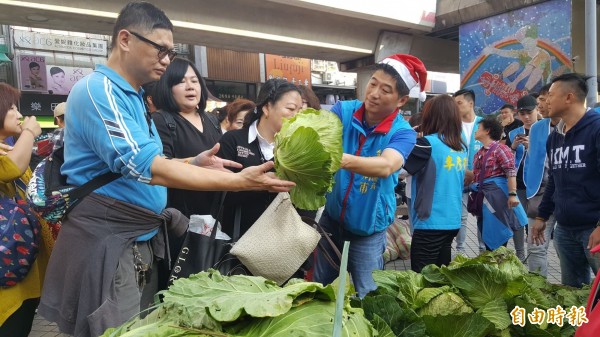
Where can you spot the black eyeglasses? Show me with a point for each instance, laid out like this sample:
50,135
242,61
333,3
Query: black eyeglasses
162,51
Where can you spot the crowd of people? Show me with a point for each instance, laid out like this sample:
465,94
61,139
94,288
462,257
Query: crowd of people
142,115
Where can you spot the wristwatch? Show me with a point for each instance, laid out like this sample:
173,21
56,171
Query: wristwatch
512,194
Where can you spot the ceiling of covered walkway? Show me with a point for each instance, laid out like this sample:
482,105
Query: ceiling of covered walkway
301,28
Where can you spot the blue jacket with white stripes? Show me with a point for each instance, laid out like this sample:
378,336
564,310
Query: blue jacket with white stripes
106,129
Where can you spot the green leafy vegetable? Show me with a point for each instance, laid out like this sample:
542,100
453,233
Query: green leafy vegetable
209,299
388,280
496,312
471,325
432,274
409,283
209,304
445,304
311,319
469,297
308,151
382,328
427,294
402,321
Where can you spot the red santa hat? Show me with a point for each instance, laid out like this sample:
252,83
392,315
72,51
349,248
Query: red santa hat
411,70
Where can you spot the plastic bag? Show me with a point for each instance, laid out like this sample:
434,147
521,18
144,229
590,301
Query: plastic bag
203,224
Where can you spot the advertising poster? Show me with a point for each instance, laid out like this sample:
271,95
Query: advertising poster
291,69
71,44
32,73
61,79
505,57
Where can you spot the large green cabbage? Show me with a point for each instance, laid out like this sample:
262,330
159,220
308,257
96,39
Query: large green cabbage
308,151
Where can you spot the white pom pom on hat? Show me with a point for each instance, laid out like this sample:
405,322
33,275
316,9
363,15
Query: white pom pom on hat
411,70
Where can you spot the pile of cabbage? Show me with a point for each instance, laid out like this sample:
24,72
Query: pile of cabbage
210,304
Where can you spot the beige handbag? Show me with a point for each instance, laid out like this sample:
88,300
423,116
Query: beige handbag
277,243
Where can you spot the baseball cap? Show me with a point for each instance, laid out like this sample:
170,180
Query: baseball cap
526,102
59,109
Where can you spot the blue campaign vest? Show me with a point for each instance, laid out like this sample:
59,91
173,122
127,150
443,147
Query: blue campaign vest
474,145
437,190
364,205
520,152
533,172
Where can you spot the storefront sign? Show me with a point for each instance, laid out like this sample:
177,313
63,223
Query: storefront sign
229,91
64,43
291,69
32,73
36,104
322,65
61,79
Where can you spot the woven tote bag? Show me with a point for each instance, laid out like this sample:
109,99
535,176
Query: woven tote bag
277,243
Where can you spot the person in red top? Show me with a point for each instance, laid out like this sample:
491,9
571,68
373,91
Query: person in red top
500,163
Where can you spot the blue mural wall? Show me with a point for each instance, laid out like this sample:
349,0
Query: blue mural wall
507,56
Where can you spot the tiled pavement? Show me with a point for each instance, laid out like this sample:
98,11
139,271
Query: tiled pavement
42,328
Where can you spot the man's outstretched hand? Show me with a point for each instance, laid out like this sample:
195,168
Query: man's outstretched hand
259,178
208,159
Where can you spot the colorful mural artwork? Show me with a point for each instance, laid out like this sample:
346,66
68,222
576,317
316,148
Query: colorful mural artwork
505,57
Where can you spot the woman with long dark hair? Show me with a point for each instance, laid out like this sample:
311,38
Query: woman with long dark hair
254,145
184,127
437,163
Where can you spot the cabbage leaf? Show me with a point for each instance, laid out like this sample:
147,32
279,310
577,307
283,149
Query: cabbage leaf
314,319
206,300
466,325
444,304
308,151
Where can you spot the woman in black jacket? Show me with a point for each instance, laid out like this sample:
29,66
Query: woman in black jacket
253,145
184,127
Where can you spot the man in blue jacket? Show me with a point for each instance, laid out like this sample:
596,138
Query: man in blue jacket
573,189
536,177
376,141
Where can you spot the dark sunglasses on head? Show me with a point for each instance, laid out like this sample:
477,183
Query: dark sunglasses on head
162,51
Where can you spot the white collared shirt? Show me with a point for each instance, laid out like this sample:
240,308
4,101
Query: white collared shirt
266,148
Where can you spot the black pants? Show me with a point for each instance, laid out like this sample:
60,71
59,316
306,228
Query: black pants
480,229
20,322
431,247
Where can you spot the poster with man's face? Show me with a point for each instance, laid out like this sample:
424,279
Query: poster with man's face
33,73
61,79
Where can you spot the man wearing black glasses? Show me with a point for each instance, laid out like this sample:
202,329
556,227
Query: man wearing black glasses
103,257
